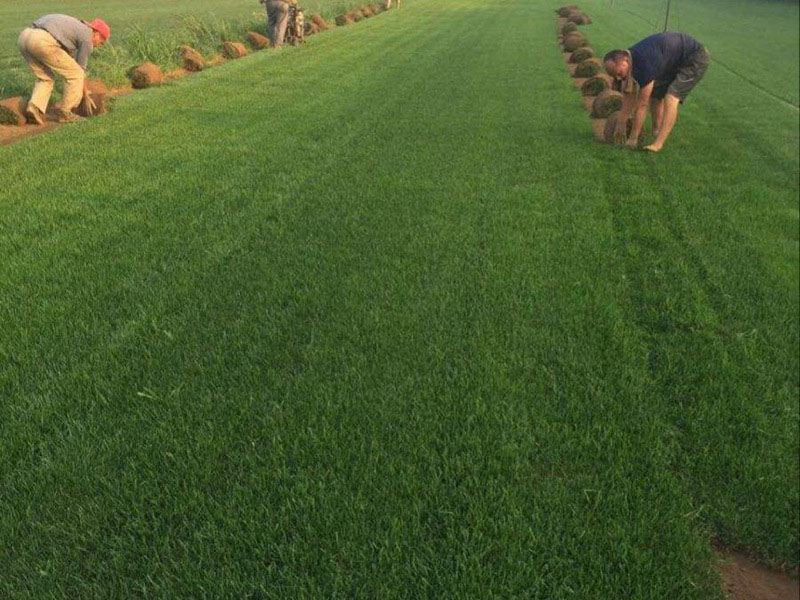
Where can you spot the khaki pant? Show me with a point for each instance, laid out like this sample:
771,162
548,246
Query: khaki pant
277,20
46,57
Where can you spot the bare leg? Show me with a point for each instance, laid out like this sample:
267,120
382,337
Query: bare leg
656,114
668,122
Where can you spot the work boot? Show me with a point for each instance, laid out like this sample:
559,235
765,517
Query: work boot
67,116
34,114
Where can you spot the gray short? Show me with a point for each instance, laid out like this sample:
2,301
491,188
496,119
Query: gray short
687,77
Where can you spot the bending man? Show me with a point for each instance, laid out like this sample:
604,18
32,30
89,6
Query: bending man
60,44
663,69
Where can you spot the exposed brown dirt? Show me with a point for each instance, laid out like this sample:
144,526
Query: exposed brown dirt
744,579
12,111
571,68
146,75
233,50
99,95
257,41
192,59
578,82
588,102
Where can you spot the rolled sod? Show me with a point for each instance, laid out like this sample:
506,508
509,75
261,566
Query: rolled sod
572,42
355,16
568,28
257,41
581,54
146,75
98,93
233,50
607,102
12,111
586,19
594,86
575,17
367,12
192,59
311,28
564,11
588,68
611,126
321,23
377,7
343,20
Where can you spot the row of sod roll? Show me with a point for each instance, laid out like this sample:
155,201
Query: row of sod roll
191,60
588,73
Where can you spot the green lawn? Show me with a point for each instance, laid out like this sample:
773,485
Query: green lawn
141,30
376,318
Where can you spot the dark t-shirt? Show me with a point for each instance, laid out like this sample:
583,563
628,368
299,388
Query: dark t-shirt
660,56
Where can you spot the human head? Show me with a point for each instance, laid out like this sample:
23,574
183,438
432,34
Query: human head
100,31
617,64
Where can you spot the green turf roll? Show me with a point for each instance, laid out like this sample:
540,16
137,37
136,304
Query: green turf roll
192,59
565,10
568,28
606,103
588,68
572,42
596,85
582,54
233,50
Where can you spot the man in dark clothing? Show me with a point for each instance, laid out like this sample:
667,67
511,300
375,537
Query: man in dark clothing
663,69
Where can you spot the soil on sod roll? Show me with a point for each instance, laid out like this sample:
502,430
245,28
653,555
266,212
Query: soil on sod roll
611,125
321,23
588,68
98,93
572,42
233,49
343,20
606,103
587,20
366,11
192,59
565,10
12,111
568,28
575,17
596,85
257,41
311,28
581,54
146,75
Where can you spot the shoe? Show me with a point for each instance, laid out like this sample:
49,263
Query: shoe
67,116
34,114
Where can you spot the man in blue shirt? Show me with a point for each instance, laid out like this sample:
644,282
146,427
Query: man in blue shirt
663,69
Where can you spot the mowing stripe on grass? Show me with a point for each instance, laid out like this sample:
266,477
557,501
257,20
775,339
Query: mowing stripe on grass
376,318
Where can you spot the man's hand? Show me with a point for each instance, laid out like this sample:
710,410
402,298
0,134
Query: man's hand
89,105
632,143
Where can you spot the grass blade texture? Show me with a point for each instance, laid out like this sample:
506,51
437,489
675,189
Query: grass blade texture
376,318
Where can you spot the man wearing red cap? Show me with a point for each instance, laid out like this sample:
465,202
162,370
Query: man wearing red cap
60,44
